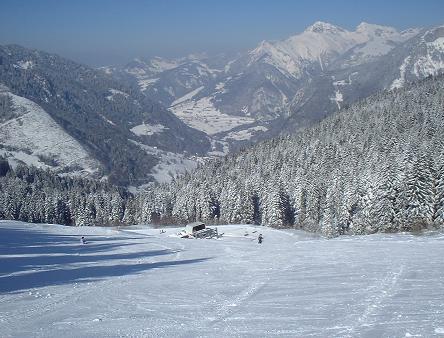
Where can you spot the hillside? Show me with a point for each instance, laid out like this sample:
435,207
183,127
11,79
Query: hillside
376,166
119,132
35,195
281,86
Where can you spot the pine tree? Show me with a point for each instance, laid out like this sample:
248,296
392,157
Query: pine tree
439,196
417,195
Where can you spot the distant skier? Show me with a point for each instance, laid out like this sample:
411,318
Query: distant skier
83,240
260,239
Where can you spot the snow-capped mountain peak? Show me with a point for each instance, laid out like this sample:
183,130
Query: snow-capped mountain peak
433,34
277,56
373,31
319,39
370,30
318,43
305,76
323,27
322,41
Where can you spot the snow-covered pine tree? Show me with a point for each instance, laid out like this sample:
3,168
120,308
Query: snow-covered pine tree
417,194
439,197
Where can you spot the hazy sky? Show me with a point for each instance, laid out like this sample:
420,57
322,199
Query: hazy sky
99,32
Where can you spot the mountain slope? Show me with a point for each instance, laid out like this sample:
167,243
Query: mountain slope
22,141
376,166
282,86
109,118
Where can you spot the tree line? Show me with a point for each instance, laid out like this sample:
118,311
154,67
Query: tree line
377,166
33,195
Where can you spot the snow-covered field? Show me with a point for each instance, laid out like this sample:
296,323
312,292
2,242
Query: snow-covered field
138,282
147,129
244,134
203,115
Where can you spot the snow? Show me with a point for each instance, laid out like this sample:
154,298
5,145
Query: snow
17,156
187,96
322,40
154,65
34,133
320,63
433,62
147,129
312,44
340,83
375,47
372,31
276,57
136,71
438,44
427,65
317,41
399,83
204,70
145,83
115,92
107,120
228,65
170,164
338,98
377,41
380,39
347,82
108,70
159,65
218,148
170,91
24,64
137,282
220,88
244,134
202,115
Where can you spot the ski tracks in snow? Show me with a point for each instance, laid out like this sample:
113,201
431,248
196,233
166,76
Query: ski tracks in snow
231,305
379,294
235,304
40,305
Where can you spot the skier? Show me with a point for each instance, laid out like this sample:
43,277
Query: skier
260,238
83,240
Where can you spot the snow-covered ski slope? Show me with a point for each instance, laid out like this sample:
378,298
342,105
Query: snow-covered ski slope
138,282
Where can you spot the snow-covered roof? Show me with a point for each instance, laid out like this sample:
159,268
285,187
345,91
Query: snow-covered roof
193,224
190,228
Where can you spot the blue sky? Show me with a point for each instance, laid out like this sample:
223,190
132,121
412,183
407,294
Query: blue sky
100,32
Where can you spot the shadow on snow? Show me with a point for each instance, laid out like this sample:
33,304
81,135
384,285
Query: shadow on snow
36,258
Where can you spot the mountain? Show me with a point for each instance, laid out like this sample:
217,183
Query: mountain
375,166
73,119
282,86
110,122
